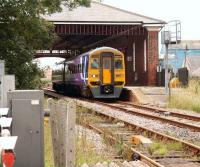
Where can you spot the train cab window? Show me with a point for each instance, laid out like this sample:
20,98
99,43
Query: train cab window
95,63
106,63
118,64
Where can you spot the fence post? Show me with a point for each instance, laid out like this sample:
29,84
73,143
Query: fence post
54,131
70,139
62,105
63,120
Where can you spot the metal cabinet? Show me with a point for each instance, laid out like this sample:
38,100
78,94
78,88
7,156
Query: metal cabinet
27,114
2,72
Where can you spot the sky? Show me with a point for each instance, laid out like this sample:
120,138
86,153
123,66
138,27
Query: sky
187,11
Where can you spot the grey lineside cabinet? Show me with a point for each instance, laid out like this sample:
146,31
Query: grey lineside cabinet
27,113
2,73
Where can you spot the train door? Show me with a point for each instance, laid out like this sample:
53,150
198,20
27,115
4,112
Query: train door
107,68
84,62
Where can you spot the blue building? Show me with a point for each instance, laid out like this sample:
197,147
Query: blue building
179,52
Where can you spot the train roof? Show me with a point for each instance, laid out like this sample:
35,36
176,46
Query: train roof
104,48
93,51
99,49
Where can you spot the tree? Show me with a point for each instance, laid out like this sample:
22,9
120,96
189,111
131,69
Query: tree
23,31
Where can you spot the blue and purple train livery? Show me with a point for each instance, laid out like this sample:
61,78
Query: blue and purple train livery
99,73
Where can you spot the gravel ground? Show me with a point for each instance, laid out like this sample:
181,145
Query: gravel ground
189,112
91,137
161,115
181,133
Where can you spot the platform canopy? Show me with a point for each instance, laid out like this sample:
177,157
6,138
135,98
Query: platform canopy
83,28
99,13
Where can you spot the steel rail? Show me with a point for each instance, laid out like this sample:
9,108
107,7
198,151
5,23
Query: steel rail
188,146
159,110
173,122
111,137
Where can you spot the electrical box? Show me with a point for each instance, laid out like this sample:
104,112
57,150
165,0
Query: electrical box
27,113
165,37
2,73
9,85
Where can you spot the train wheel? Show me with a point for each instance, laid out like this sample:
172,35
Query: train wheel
85,92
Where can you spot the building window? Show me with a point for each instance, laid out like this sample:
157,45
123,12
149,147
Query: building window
134,56
145,55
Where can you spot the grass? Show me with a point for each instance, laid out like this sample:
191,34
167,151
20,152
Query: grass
161,149
187,98
86,152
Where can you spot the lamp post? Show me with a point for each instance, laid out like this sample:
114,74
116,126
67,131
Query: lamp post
170,35
166,69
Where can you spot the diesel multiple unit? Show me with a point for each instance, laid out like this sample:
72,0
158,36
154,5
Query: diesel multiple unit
99,73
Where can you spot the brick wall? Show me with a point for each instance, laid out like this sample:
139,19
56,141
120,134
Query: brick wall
152,57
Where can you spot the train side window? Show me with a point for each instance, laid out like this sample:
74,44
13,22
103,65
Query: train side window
95,63
82,68
72,69
79,68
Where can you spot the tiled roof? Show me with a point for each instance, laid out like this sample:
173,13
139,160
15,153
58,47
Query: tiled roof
193,65
191,44
100,13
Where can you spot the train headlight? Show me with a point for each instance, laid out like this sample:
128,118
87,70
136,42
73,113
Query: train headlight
94,75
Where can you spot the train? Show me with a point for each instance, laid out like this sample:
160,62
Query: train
99,73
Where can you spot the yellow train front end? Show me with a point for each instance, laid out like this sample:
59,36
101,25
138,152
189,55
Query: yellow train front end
106,72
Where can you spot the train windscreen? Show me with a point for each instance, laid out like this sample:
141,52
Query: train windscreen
118,62
95,62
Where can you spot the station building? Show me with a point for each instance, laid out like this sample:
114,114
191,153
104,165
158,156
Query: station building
86,28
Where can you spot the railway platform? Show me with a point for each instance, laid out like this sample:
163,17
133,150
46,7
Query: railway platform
154,96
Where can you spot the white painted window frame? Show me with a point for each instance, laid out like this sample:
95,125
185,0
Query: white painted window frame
145,55
134,57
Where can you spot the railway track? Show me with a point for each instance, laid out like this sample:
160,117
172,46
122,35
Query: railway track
188,147
149,112
114,139
115,132
163,111
142,112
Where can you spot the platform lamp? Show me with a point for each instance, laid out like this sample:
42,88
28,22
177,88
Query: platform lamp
166,40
